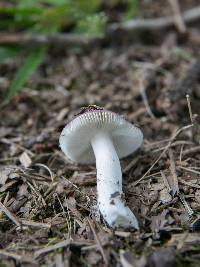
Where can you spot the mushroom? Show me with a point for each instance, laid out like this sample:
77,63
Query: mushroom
105,137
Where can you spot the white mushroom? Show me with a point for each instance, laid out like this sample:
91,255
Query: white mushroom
104,137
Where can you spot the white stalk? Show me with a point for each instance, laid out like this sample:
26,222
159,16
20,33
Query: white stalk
109,184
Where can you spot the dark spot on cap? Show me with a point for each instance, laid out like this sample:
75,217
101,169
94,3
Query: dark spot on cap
112,202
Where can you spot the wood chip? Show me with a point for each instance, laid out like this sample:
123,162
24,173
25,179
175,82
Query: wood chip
35,224
122,234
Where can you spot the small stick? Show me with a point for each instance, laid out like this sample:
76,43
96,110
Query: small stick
61,244
175,188
181,181
189,170
144,96
160,23
35,224
181,153
9,214
178,19
98,242
67,39
191,150
163,153
189,108
40,197
48,169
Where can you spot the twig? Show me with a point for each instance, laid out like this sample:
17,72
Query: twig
9,214
166,205
176,143
131,164
181,181
142,86
181,153
35,224
98,242
191,150
54,39
178,19
89,247
189,170
163,153
46,168
40,197
174,185
189,108
156,24
67,218
67,39
61,244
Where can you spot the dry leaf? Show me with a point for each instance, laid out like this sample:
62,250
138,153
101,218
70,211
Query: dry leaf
126,259
23,191
122,234
25,160
4,175
164,196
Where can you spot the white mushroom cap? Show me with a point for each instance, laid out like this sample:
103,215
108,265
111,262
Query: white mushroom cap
75,139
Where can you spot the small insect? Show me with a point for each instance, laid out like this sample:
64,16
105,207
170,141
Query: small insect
89,108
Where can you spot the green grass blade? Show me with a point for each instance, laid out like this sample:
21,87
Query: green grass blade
7,53
32,62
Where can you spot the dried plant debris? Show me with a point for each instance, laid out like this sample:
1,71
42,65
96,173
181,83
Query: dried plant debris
48,205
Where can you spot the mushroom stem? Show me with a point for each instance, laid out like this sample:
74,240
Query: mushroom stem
109,184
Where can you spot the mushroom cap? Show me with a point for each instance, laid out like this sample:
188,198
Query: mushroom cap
75,139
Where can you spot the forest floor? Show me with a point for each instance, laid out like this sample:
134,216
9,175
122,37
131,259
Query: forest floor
48,207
